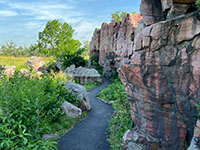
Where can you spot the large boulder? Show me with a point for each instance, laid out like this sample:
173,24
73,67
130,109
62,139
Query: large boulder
161,79
195,144
35,63
79,91
84,74
9,70
70,110
25,72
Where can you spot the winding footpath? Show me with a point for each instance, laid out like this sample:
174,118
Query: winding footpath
90,134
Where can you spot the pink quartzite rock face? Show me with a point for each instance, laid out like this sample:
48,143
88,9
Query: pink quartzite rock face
114,41
162,80
154,11
151,11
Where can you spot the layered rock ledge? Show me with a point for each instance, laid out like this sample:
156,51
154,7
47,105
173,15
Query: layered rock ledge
114,41
162,83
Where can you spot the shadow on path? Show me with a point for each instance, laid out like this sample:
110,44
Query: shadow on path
90,134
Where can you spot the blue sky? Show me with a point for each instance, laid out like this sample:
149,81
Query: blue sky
21,20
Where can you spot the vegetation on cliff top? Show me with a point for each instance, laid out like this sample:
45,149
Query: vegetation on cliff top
118,16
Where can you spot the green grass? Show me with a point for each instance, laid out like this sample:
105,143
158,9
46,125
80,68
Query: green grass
65,123
19,62
92,85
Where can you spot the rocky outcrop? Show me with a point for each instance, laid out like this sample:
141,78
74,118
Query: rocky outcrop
9,70
79,91
113,42
154,11
84,74
195,144
35,63
71,110
162,83
151,11
25,72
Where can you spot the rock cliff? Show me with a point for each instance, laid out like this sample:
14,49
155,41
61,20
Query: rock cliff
162,83
159,67
114,41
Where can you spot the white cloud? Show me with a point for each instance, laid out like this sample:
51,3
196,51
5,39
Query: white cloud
84,30
45,11
38,13
7,13
34,25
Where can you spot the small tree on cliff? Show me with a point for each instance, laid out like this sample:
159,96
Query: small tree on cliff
56,39
117,16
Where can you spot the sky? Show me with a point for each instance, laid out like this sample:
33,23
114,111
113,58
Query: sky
22,20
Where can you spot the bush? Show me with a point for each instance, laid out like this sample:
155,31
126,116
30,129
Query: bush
77,59
198,4
95,64
121,119
113,91
91,85
28,108
60,76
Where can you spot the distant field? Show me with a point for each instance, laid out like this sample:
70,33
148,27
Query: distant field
19,62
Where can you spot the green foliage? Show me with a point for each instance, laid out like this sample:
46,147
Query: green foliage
90,86
11,49
118,16
198,4
113,91
56,39
28,109
76,58
86,53
95,64
65,123
60,76
121,119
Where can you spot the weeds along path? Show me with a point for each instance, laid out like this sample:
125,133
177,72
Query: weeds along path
90,134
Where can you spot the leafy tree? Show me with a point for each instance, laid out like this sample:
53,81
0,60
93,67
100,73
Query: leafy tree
34,50
56,39
77,59
86,52
117,16
9,49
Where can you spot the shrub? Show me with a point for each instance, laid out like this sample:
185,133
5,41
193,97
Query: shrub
91,85
60,76
77,59
113,91
28,108
198,4
121,119
95,64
